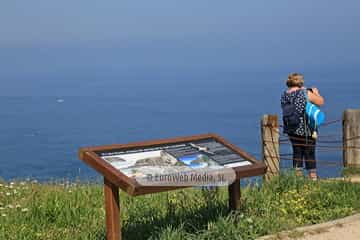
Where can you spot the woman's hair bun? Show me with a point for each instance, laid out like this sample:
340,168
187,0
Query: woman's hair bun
295,80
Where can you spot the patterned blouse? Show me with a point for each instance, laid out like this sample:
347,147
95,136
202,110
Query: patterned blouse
299,99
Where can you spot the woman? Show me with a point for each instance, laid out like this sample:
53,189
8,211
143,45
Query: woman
293,103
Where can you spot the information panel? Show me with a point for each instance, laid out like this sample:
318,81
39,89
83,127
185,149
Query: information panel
155,166
203,154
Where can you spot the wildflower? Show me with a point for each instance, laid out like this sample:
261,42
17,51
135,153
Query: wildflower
10,206
3,215
1,185
17,206
8,194
12,183
249,220
1,208
25,210
22,183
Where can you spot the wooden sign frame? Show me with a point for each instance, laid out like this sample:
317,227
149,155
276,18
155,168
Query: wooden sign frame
114,179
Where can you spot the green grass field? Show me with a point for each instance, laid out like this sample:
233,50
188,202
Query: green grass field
29,210
348,172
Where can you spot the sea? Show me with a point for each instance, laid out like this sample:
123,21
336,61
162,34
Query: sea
45,120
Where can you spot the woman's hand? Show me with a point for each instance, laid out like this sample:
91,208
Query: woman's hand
315,97
315,91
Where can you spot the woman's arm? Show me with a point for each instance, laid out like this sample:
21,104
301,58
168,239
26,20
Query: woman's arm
315,97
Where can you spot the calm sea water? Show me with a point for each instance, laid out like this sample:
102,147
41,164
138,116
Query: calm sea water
43,127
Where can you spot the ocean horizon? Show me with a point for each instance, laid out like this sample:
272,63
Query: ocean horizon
43,127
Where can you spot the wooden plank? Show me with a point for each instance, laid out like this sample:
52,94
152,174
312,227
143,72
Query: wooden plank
234,195
144,144
112,211
351,139
270,145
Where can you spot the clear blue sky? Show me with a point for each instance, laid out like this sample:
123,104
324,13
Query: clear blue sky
57,37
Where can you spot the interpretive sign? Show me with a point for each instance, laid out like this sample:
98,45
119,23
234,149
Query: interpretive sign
162,165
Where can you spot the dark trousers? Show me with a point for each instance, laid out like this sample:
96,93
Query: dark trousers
303,151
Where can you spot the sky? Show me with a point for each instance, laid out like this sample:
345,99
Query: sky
60,38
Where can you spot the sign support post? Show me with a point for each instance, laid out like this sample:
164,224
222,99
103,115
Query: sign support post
112,211
234,195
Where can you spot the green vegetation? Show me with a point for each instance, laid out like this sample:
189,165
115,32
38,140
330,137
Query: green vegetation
351,171
29,210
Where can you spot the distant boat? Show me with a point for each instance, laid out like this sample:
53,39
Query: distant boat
60,100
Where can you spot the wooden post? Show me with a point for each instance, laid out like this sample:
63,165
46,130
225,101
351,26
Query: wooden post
234,195
112,211
270,134
351,139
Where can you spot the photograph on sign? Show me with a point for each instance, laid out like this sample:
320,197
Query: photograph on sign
144,163
200,163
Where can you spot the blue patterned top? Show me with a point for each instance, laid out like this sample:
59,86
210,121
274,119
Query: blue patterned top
299,99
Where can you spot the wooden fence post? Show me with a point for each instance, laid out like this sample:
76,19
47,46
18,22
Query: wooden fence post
351,139
270,135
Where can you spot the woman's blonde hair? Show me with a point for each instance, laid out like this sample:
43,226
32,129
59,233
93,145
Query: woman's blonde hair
295,80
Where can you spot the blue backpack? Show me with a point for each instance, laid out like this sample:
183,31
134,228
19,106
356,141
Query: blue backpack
315,116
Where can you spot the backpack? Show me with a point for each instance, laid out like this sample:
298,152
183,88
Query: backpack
291,117
315,116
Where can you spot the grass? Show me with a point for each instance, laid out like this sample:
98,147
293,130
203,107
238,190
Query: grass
351,171
29,210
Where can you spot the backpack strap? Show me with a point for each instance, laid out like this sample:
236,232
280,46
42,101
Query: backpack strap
306,119
306,95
